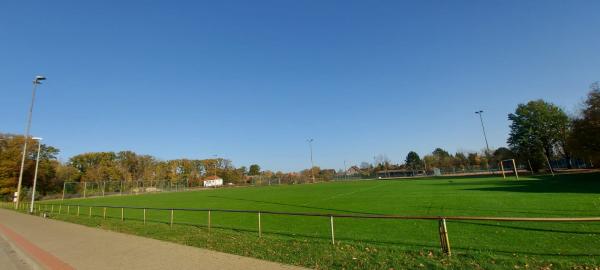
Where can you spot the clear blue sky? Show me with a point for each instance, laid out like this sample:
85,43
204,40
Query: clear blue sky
252,80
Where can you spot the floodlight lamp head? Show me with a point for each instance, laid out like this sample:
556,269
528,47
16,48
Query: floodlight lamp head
478,112
37,138
38,79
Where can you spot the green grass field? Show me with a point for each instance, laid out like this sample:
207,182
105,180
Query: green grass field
474,243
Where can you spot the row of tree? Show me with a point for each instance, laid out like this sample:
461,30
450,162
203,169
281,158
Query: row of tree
105,166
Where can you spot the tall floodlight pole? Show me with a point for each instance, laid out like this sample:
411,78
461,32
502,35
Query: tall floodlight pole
345,171
312,164
487,146
36,81
37,164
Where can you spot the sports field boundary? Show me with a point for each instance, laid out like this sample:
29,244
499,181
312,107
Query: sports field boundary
50,208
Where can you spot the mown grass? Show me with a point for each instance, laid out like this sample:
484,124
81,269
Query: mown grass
380,244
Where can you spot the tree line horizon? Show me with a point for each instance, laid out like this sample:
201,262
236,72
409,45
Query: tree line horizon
539,131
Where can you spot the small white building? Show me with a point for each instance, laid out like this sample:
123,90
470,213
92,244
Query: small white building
213,182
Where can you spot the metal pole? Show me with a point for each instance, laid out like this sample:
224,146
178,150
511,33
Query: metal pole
64,186
549,165
487,146
35,83
122,214
530,168
37,164
208,220
144,216
104,213
78,210
312,164
502,168
332,231
90,213
515,166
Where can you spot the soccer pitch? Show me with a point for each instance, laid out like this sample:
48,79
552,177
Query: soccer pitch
575,195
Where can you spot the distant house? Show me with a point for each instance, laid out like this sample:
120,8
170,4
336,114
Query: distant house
354,170
213,181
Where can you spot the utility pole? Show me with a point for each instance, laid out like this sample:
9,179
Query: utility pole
36,81
312,164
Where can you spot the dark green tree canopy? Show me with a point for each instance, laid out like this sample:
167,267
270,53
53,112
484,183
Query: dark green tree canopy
254,169
413,160
585,138
536,127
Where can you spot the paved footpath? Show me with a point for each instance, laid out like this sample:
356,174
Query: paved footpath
51,244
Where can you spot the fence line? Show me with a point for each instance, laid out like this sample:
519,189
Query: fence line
442,228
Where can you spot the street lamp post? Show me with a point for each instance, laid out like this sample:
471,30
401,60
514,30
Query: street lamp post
487,146
36,81
312,164
37,164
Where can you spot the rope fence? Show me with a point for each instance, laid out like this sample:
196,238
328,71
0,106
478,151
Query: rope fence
48,208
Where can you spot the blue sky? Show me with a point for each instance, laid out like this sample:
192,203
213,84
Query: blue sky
252,80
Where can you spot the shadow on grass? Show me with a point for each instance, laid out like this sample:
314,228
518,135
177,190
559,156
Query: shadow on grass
596,233
565,183
528,212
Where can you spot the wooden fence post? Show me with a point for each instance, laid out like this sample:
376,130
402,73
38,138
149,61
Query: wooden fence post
172,218
209,221
122,213
259,227
90,213
78,210
104,213
52,209
444,241
144,216
68,209
332,231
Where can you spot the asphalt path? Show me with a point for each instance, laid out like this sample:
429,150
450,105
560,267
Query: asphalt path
27,240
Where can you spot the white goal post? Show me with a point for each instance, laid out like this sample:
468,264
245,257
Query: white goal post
513,164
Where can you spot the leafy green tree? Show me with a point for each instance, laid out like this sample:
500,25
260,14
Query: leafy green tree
537,129
585,137
502,153
413,161
254,169
461,161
